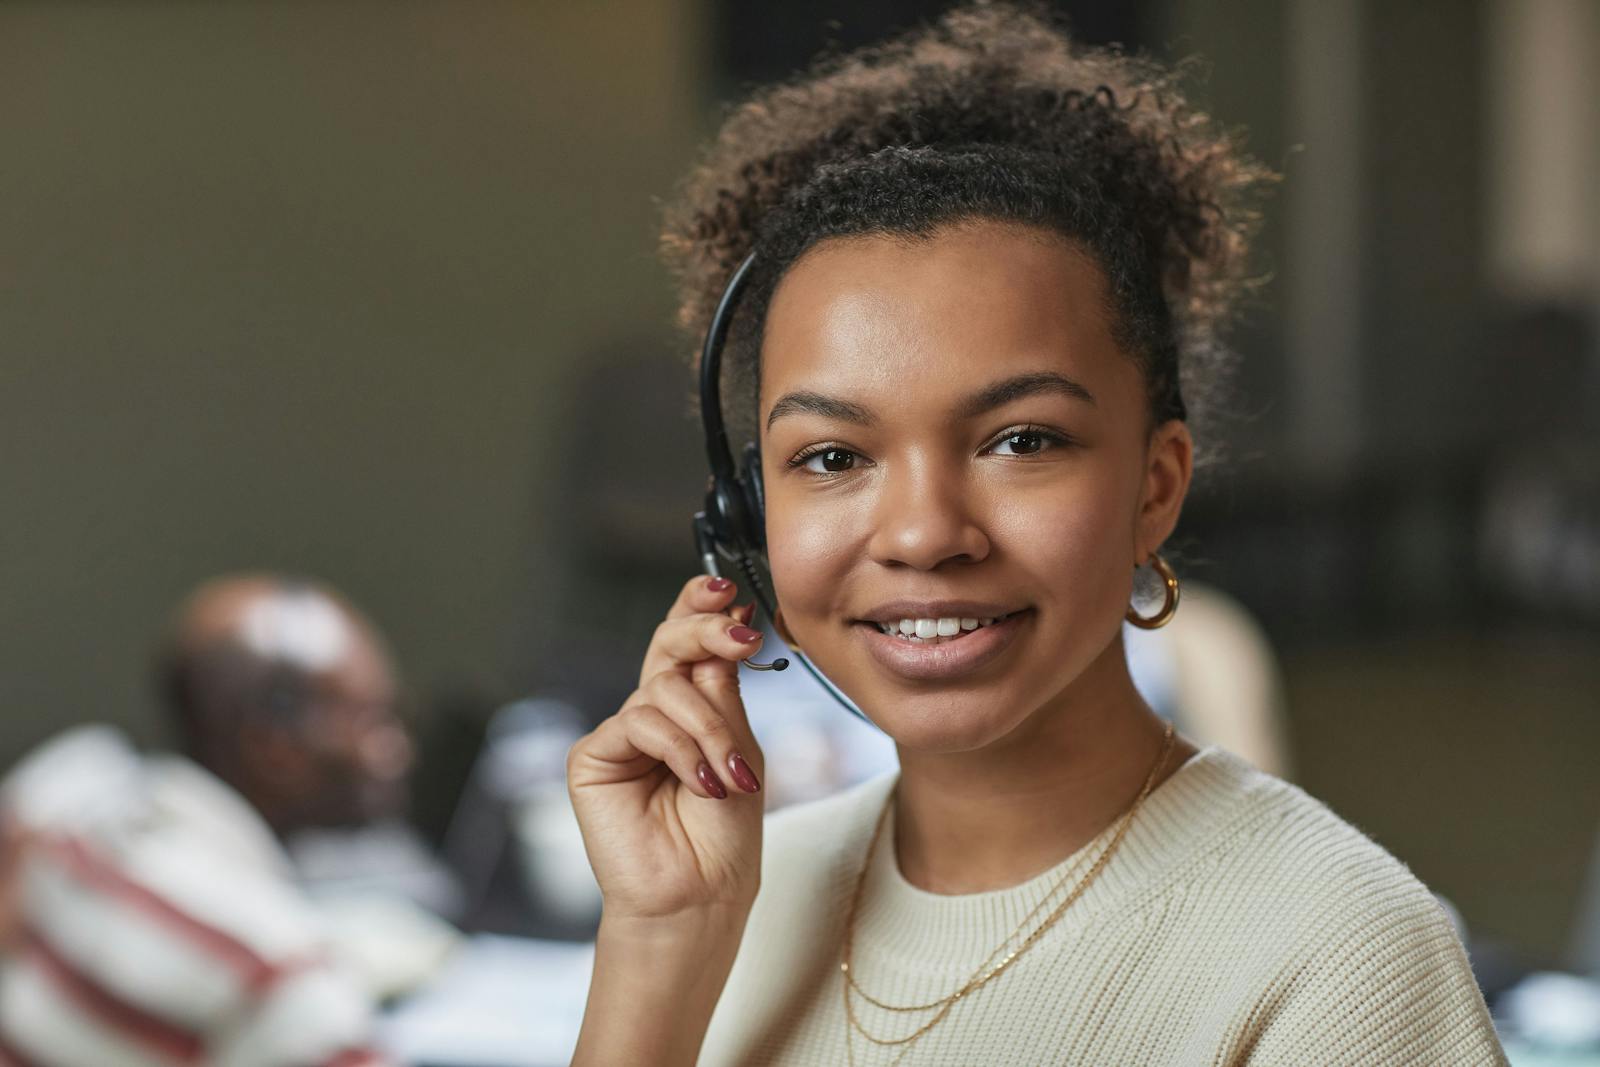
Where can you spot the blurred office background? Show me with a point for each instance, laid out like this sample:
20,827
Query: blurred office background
368,291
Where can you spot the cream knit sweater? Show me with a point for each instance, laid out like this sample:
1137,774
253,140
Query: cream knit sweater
1241,922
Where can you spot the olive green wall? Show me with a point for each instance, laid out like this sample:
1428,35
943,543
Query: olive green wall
302,286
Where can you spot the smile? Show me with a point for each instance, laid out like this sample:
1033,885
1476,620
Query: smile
957,646
936,631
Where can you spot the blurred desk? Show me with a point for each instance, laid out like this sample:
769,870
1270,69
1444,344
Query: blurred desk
1524,1055
499,1002
1551,1019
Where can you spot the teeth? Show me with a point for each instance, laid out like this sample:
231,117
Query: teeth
932,630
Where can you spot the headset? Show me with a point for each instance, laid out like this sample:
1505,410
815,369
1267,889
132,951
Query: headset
733,525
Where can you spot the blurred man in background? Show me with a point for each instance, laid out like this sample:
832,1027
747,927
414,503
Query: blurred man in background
164,909
288,694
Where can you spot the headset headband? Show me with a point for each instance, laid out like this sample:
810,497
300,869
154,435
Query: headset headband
732,523
718,451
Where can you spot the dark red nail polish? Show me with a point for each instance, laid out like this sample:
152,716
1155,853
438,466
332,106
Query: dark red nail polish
745,635
718,585
743,776
709,782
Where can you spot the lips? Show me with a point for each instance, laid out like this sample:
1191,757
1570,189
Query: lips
945,656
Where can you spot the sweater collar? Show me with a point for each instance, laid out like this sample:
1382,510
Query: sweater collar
952,934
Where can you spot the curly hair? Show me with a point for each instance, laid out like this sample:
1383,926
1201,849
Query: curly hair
991,113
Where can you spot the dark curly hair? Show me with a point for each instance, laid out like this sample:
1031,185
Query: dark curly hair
991,113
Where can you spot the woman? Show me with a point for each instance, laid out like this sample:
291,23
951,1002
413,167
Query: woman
989,270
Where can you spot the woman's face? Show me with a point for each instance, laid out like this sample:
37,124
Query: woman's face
950,431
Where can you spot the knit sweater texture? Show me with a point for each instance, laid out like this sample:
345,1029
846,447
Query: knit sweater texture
1240,922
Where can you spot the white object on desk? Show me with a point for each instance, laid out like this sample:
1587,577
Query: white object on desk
499,1002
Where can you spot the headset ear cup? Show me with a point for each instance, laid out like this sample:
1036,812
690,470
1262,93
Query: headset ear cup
755,496
725,509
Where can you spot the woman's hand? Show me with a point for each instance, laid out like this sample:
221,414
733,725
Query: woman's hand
664,789
666,795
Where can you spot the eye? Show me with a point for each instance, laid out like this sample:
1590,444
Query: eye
1022,443
829,461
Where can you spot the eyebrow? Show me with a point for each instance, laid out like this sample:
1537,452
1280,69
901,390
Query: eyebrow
829,407
1006,390
1000,393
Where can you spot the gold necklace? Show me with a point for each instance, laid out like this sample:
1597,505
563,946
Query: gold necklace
984,974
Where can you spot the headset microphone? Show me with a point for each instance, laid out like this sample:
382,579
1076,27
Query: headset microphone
733,524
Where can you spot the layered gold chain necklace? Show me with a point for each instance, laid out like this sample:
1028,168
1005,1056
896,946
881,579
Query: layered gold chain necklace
988,970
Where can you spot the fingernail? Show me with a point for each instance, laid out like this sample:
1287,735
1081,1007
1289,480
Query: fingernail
743,776
718,585
745,635
710,782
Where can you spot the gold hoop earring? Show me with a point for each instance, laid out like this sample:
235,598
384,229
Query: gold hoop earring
783,629
1169,607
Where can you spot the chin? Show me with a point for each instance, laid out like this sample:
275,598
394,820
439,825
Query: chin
943,723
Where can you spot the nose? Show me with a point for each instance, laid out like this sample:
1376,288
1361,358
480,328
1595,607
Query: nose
926,518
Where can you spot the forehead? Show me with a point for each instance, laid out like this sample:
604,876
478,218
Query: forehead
914,319
362,675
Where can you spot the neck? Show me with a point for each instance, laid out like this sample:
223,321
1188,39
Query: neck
968,822
281,816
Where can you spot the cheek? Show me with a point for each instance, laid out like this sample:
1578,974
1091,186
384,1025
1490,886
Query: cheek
1076,546
809,551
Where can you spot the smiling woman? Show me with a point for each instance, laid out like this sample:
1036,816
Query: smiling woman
988,272
1001,461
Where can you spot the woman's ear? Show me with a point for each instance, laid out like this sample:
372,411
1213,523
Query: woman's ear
1169,465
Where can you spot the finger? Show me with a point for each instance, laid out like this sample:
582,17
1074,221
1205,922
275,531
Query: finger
642,732
699,637
702,594
719,680
727,745
714,677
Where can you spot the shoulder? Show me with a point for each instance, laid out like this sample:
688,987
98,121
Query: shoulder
83,778
1338,887
1287,876
244,960
1271,834
138,846
1357,953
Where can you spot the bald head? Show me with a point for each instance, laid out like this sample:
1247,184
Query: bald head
280,687
291,622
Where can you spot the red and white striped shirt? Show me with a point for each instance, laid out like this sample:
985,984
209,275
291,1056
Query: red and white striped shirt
157,925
